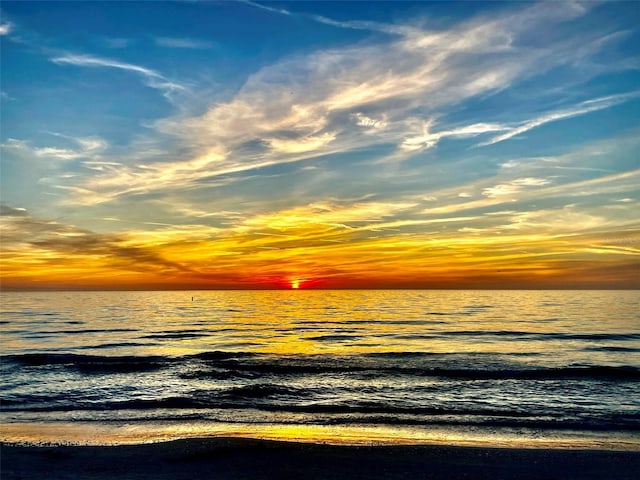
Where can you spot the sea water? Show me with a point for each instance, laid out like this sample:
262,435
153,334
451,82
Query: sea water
350,366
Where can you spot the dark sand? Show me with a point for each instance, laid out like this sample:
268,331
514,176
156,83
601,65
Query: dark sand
237,459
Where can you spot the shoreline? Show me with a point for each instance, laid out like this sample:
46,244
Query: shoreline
244,458
123,433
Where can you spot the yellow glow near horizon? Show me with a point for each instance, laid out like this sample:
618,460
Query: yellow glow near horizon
362,245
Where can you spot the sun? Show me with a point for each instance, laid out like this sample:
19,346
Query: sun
295,284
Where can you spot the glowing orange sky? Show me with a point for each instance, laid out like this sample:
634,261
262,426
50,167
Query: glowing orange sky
316,251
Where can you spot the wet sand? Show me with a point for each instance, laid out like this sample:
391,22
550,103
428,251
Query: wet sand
237,459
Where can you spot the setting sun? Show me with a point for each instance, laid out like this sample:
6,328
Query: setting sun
295,284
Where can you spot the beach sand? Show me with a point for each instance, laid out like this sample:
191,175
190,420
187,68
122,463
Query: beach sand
237,459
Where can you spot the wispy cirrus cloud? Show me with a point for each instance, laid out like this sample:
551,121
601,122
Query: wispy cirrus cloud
5,96
49,243
391,78
86,147
151,77
425,138
392,29
513,186
118,42
582,108
5,28
175,42
386,95
281,11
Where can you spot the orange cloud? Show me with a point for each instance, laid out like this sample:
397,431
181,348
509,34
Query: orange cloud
313,246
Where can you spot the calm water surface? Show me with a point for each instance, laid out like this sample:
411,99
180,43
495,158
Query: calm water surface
352,366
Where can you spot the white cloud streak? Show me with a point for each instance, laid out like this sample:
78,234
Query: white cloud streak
387,28
580,109
89,147
425,138
5,28
117,42
340,100
390,29
514,186
152,78
173,42
281,11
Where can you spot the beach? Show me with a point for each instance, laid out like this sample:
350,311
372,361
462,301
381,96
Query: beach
233,458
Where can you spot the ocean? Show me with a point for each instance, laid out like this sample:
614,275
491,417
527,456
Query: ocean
346,366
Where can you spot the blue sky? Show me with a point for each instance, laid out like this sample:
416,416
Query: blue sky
181,140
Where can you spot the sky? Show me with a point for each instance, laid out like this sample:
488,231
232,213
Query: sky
223,145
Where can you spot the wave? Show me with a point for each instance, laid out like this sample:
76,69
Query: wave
95,330
533,422
26,332
334,338
262,390
87,363
610,348
106,346
248,365
307,400
251,404
175,336
544,336
587,372
624,373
